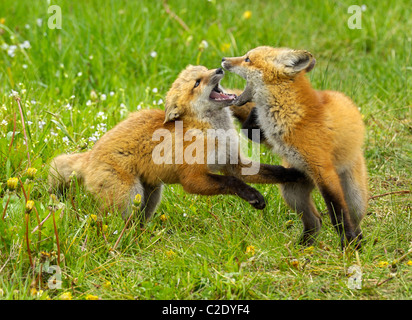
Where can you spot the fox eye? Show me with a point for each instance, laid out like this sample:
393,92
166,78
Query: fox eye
197,83
247,59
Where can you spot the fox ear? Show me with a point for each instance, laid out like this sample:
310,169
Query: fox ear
172,112
295,61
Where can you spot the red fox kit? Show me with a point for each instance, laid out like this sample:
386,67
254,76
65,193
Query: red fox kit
127,160
318,132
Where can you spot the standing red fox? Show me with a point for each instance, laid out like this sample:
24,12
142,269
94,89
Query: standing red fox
127,160
318,132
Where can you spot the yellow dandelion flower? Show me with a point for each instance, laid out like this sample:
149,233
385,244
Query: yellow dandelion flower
170,253
29,206
409,263
309,249
288,223
105,227
45,254
73,175
250,250
2,20
107,285
33,292
66,296
294,263
93,217
53,199
163,217
31,172
225,46
247,14
92,297
137,199
12,183
383,264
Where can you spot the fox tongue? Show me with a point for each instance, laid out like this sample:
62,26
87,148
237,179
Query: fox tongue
219,96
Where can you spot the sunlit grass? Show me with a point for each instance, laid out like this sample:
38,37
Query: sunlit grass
114,57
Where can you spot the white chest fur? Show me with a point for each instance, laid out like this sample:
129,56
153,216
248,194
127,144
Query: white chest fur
274,132
223,140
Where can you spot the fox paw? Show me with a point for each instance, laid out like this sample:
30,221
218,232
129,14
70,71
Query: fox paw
257,201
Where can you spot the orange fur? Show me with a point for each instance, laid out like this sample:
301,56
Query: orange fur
126,160
318,132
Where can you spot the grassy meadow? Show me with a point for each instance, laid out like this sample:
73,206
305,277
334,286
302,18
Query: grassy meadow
62,89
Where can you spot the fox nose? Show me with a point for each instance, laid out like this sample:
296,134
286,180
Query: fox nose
219,71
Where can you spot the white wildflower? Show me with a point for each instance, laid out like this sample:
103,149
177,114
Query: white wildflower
101,115
11,50
88,103
25,45
203,45
39,22
153,54
79,74
41,124
101,127
111,93
103,97
14,94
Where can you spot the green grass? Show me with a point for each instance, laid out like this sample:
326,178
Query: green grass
199,250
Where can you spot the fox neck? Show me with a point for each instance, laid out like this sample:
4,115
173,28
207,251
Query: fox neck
286,102
217,118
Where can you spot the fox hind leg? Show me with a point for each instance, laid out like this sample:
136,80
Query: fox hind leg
137,188
298,196
329,184
355,189
152,197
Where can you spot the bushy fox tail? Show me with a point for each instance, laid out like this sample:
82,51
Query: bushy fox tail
64,168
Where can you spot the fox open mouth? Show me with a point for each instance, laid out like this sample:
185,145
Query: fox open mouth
218,95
